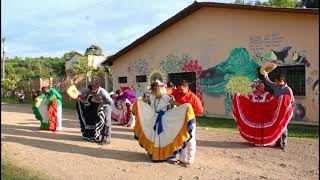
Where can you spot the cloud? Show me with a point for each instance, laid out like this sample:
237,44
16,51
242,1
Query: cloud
53,27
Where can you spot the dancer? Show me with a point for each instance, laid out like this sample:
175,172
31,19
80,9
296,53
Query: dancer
55,109
183,95
122,109
48,109
265,122
280,87
259,94
113,96
162,132
103,127
40,110
87,111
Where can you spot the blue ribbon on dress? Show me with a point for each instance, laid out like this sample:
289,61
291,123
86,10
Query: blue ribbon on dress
159,122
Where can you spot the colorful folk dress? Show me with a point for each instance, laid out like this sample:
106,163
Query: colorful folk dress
45,108
261,121
257,96
122,108
88,117
162,133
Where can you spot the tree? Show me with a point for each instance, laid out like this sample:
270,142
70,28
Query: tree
82,67
243,2
30,68
9,84
239,2
310,3
280,3
94,50
98,74
257,3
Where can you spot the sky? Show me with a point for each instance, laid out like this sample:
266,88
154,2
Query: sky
37,28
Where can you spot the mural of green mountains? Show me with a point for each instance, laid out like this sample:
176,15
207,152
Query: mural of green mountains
238,63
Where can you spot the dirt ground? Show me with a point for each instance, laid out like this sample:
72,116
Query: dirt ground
220,154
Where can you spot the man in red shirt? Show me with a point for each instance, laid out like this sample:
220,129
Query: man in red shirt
183,95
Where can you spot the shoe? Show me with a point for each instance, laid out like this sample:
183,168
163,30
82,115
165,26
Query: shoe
59,129
186,164
103,142
173,161
284,147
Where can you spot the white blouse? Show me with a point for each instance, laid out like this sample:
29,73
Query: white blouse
160,104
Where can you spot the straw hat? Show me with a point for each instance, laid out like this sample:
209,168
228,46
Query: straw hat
267,68
37,102
72,91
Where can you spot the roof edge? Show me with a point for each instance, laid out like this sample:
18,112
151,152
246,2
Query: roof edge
191,9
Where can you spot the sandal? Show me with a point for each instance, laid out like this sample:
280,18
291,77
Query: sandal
173,161
186,164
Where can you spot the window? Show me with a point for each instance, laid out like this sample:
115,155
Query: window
188,76
122,79
295,77
141,78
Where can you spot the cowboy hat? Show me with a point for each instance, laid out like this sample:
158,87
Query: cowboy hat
267,68
72,91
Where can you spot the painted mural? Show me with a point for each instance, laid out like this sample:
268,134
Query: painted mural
283,56
239,84
194,66
235,84
275,56
312,81
140,66
239,63
299,112
234,74
238,66
260,42
315,88
155,74
136,68
174,64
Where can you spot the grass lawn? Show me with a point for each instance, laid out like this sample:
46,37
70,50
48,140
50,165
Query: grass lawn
9,171
294,130
69,105
11,100
65,105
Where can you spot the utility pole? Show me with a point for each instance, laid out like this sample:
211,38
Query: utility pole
4,57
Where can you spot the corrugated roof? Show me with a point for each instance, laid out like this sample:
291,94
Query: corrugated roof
194,7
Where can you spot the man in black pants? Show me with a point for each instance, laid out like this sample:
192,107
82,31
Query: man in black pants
103,126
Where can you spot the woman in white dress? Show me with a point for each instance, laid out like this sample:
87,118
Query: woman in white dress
162,131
